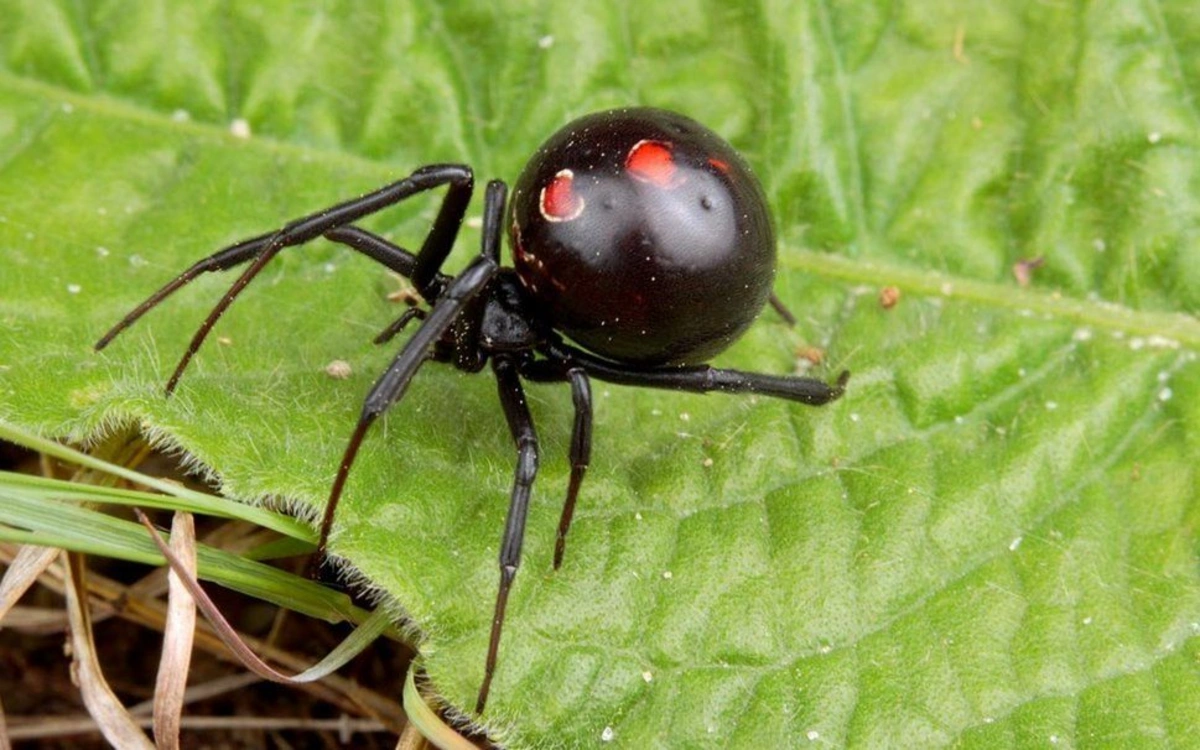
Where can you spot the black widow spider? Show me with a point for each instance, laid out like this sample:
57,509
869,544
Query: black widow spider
638,233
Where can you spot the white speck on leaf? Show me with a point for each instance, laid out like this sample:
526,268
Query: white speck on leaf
338,369
1161,342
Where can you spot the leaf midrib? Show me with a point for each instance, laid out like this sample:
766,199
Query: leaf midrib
1169,330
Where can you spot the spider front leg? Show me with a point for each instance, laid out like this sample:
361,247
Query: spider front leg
520,424
450,304
394,381
423,268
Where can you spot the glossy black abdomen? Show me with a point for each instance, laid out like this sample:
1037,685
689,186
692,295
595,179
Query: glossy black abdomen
644,237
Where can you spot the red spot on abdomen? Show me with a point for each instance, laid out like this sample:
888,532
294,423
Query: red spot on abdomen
651,161
720,166
559,201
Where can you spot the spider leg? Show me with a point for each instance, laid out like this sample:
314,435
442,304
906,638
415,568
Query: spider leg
447,309
558,370
394,381
381,251
520,424
782,310
231,256
580,454
423,269
374,245
399,324
697,379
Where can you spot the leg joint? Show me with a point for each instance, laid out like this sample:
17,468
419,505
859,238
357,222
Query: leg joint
527,460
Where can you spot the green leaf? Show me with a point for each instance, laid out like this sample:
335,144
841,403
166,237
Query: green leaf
36,516
989,542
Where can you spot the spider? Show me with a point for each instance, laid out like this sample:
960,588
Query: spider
638,234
